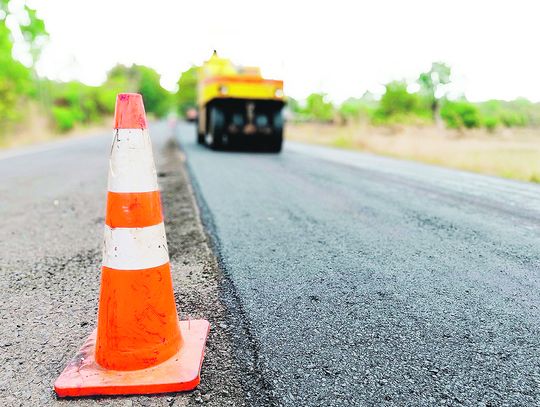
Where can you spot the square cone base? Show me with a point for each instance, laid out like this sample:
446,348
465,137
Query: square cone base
84,377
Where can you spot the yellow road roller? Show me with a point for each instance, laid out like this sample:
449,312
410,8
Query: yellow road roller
238,107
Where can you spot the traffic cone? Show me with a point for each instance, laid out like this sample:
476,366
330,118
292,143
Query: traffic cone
139,346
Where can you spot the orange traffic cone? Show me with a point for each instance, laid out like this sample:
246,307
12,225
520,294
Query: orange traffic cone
139,346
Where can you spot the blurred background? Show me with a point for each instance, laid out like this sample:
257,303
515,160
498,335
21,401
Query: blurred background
450,83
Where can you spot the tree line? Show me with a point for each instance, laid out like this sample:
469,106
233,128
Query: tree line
427,105
66,104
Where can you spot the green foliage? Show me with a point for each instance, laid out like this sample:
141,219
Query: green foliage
106,99
398,105
34,33
517,113
76,103
512,119
432,80
64,117
293,105
461,114
397,100
123,79
186,96
156,99
144,80
350,109
491,123
30,25
354,109
16,80
318,108
430,83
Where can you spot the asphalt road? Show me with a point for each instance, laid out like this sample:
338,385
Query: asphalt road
365,280
340,278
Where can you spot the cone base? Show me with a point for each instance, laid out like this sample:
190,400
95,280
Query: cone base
84,377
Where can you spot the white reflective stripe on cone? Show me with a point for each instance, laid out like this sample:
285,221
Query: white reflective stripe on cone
131,164
135,248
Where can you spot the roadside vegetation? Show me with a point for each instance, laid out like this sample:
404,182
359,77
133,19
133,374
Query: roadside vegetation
494,137
398,105
34,108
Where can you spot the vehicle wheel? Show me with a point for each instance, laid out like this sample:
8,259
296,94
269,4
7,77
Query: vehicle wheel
277,123
275,145
277,129
216,125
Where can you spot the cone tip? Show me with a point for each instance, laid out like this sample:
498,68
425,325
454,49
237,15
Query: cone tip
129,112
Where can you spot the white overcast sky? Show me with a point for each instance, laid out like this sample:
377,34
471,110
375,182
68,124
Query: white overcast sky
340,47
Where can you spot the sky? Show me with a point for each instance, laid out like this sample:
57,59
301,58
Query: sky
342,48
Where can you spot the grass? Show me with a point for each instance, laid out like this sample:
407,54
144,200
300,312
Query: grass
508,153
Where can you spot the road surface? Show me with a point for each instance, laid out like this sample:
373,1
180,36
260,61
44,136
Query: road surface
369,281
338,278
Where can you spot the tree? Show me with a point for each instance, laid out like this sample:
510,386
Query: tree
143,80
16,80
431,82
318,107
460,114
156,98
186,96
356,108
28,23
397,100
293,105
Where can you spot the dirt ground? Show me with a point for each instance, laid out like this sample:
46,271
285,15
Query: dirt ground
509,153
50,299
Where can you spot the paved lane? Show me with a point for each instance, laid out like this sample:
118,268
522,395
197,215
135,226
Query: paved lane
367,280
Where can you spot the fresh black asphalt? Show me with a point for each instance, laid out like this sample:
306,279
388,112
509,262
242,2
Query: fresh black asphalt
371,281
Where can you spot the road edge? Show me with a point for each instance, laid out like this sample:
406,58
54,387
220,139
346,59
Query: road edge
258,391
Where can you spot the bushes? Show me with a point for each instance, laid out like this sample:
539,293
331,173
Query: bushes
354,109
15,80
319,108
350,109
64,118
398,105
76,103
491,123
140,79
516,113
511,119
316,108
397,100
157,100
460,114
186,97
106,100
